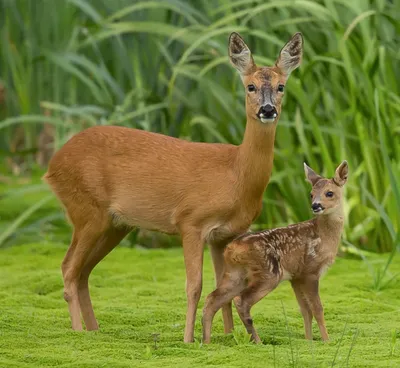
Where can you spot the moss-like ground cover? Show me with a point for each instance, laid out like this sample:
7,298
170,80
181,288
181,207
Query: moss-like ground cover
137,293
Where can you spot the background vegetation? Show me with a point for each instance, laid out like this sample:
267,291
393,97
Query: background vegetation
163,66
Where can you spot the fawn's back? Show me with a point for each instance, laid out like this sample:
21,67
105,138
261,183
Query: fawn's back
287,253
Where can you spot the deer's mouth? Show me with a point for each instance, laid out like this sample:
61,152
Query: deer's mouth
268,120
318,210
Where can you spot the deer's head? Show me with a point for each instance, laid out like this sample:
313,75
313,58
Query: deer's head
327,194
265,86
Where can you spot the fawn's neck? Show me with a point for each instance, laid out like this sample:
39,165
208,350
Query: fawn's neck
329,228
255,158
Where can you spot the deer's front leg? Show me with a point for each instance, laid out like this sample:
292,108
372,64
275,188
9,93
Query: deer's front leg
193,247
311,289
304,308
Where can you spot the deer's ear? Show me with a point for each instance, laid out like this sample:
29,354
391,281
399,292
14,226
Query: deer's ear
341,174
311,175
240,55
291,55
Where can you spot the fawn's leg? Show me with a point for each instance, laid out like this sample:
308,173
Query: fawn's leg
106,243
217,253
304,308
193,248
311,291
231,285
83,242
250,296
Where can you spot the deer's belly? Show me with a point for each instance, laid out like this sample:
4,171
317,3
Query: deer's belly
235,222
158,220
223,232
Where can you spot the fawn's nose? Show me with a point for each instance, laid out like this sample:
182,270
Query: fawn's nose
267,112
316,207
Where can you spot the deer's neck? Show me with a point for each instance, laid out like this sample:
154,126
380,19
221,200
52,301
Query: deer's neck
329,228
255,158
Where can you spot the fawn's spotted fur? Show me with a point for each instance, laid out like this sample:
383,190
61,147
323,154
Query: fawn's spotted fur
257,262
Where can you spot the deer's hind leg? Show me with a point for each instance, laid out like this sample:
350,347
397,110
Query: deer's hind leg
73,303
105,244
252,294
231,285
85,236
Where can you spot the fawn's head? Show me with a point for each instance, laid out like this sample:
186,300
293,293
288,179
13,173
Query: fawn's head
327,194
265,85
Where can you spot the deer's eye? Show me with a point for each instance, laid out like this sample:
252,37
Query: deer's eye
251,88
311,195
329,194
281,87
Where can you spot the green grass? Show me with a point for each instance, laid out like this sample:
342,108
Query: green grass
137,293
162,66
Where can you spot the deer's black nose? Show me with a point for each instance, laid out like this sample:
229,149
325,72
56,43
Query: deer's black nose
316,206
268,112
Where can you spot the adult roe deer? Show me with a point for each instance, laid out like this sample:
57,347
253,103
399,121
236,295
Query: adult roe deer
111,179
255,263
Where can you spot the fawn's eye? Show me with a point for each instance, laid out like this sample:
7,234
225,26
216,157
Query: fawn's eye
281,87
311,195
251,88
329,194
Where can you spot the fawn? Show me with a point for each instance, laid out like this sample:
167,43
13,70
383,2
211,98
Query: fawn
255,263
112,179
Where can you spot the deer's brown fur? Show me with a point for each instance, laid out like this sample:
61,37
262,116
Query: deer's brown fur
255,263
111,179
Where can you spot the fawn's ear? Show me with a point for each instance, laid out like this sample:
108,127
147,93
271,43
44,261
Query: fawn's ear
291,55
240,55
311,175
341,174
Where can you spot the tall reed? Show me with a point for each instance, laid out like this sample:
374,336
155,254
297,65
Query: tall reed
163,66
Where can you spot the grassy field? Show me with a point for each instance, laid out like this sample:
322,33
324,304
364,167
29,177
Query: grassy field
138,293
162,65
